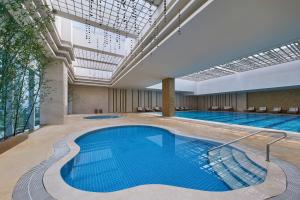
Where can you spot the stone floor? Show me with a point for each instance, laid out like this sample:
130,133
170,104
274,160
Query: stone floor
18,160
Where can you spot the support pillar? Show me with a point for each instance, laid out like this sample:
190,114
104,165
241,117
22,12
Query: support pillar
168,97
54,98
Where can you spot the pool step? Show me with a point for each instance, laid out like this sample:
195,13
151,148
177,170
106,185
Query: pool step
235,168
238,170
221,170
244,161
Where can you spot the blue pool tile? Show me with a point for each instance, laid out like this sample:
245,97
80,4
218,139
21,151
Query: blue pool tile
117,158
272,121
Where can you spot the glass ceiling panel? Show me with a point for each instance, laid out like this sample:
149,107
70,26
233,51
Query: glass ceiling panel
95,65
126,15
104,31
92,73
279,55
100,39
208,74
101,50
91,55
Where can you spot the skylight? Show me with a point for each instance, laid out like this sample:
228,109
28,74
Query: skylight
82,54
282,54
104,31
84,73
126,17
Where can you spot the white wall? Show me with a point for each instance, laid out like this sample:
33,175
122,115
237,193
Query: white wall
283,75
180,85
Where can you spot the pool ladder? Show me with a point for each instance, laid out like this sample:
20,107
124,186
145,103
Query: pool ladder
255,133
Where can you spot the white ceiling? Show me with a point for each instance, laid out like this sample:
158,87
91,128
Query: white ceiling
220,32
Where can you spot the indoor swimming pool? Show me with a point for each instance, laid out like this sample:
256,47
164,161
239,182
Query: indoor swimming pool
117,158
270,121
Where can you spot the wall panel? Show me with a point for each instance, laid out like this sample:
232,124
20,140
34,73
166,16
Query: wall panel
85,99
284,98
135,100
236,100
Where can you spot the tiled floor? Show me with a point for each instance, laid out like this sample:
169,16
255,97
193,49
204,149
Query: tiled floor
18,160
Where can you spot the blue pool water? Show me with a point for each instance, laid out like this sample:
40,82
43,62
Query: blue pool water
117,158
102,117
271,121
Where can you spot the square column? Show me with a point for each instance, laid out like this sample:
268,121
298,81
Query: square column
54,94
168,97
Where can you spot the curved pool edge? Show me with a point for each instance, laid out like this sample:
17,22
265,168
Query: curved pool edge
274,184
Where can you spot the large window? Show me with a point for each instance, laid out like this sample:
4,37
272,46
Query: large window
1,124
19,107
22,61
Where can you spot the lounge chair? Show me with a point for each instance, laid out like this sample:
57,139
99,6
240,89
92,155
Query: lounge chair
157,109
293,110
181,108
262,109
186,108
147,109
177,109
250,109
276,110
214,108
228,108
140,109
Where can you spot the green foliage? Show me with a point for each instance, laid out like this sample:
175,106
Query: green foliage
22,61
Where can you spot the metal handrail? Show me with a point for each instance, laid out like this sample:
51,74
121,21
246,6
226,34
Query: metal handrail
252,134
272,142
233,141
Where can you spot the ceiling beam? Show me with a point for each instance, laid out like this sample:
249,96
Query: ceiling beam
98,51
105,70
93,23
94,60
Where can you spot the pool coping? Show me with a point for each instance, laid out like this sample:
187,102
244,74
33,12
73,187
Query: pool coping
228,125
274,184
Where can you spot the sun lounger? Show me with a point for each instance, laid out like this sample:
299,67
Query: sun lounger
228,108
262,109
293,110
250,109
140,109
276,110
147,109
157,109
215,108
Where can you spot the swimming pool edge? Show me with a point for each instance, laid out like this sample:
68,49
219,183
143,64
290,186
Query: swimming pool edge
274,184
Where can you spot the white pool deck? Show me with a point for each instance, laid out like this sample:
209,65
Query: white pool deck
39,146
